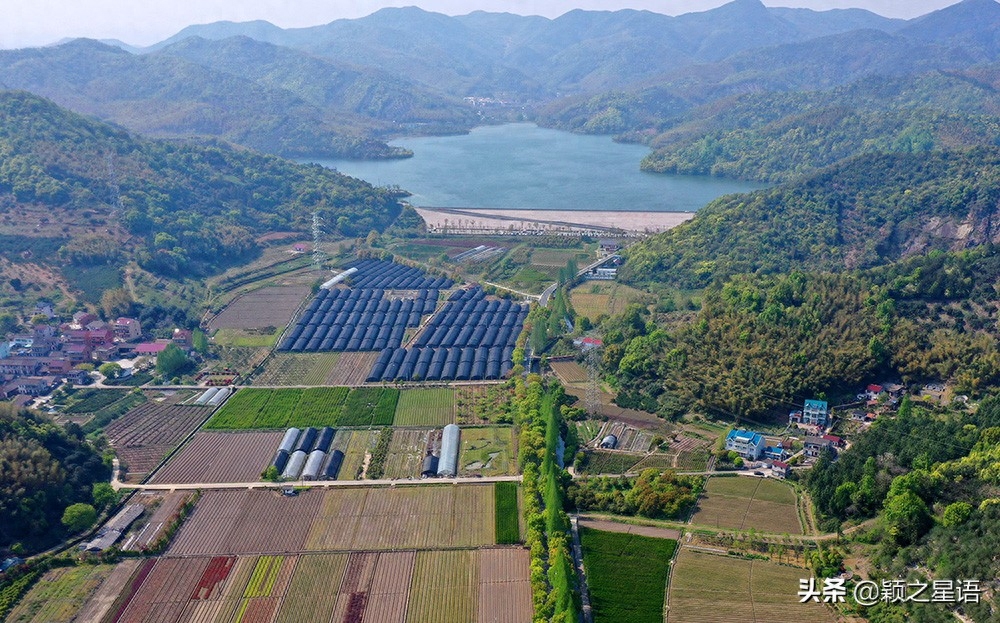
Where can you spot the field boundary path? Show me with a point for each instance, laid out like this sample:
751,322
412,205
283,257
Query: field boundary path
581,572
118,485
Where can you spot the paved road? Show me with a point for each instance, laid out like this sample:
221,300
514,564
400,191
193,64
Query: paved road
304,483
543,300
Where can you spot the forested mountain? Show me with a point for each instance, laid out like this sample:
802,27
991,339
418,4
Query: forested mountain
763,343
167,96
80,191
43,469
867,211
531,58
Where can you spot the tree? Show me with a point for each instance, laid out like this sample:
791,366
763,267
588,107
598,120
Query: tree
906,516
956,513
110,370
78,517
271,474
104,495
171,360
199,341
116,302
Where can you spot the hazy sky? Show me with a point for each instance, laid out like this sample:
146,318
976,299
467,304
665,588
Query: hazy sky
142,22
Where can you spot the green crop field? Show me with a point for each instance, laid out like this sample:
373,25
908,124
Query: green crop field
370,406
626,575
507,520
426,407
251,408
609,462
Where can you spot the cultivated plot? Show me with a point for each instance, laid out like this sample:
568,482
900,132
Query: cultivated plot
742,503
708,588
298,369
59,594
487,451
426,407
267,307
214,457
611,557
234,522
144,435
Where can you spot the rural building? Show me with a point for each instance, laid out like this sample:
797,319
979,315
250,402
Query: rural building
746,443
127,329
815,445
430,466
587,343
607,247
109,534
780,469
813,413
448,463
183,338
774,453
151,348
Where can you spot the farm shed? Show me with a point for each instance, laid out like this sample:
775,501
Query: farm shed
325,438
306,440
219,397
313,465
609,442
448,463
288,441
430,466
280,460
333,466
205,397
295,464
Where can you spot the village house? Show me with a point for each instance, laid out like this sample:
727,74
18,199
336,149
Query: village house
813,413
748,444
780,469
183,338
127,329
815,445
608,247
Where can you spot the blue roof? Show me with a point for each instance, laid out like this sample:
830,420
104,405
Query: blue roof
816,404
749,435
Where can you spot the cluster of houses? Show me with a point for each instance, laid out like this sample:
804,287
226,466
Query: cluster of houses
33,364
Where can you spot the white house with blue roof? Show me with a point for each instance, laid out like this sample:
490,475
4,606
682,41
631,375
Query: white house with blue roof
746,443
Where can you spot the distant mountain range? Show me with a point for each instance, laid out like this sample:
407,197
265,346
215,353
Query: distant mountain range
343,88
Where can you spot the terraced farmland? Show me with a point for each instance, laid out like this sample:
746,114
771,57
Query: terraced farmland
708,588
143,436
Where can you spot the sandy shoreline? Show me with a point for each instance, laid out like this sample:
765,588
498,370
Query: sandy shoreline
512,220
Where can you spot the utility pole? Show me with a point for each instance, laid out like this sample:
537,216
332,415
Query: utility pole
317,232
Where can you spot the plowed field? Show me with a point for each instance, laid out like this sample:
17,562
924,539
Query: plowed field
221,457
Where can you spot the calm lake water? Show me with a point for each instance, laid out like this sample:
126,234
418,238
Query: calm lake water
526,167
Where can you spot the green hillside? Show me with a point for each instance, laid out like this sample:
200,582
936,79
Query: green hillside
77,191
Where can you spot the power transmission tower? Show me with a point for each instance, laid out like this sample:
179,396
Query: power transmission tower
592,399
317,232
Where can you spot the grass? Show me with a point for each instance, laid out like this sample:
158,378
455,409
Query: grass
626,575
507,520
594,299
256,408
425,407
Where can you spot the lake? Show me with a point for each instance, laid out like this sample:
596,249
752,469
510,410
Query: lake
523,166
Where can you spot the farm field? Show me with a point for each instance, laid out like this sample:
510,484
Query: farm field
709,588
483,404
297,369
235,522
610,557
426,407
508,528
355,444
592,299
742,503
487,450
351,369
278,409
484,585
59,594
271,306
407,451
221,457
144,435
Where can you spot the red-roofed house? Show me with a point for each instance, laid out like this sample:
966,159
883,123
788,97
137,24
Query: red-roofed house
587,343
150,348
183,338
780,469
